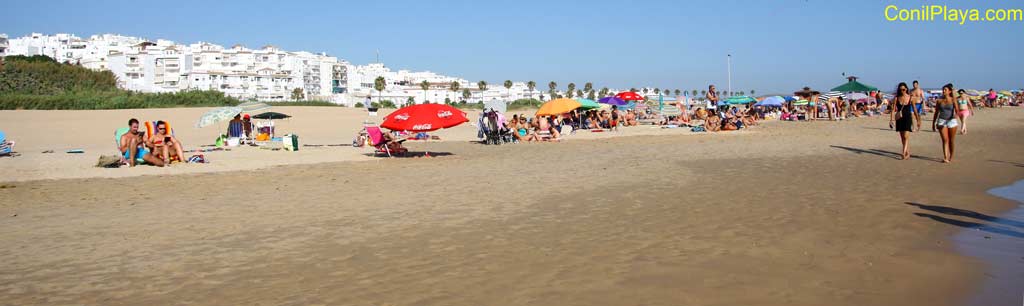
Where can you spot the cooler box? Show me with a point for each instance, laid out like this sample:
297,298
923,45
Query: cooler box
290,142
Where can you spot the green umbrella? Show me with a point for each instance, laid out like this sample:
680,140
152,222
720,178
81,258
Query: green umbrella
587,104
801,102
854,86
217,115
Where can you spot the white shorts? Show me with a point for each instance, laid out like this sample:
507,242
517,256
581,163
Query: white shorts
951,123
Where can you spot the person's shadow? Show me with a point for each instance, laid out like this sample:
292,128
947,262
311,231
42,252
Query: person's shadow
883,153
968,224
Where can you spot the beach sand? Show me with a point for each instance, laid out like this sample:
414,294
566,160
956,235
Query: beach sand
784,214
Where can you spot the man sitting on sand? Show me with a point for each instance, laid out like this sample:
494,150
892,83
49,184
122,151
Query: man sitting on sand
165,145
133,147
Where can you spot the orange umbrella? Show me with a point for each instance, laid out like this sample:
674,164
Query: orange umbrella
558,107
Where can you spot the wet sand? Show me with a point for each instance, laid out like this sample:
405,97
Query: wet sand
786,214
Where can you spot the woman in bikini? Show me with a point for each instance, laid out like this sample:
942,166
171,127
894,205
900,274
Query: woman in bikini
904,117
966,109
944,121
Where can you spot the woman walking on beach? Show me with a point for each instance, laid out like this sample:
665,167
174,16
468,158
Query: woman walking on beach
904,117
946,110
966,109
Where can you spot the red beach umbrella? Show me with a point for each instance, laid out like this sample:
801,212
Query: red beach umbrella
424,118
629,96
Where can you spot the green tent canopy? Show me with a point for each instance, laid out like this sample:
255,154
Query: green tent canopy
854,86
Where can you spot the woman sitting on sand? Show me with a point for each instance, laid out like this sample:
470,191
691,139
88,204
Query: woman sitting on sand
630,118
712,123
521,130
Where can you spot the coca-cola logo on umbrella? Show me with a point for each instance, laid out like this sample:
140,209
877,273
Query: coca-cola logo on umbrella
444,114
419,127
402,116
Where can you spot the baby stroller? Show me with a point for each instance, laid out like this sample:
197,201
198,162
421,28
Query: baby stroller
494,129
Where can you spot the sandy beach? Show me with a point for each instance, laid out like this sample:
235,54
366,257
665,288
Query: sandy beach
786,213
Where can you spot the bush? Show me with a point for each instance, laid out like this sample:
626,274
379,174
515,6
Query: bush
387,104
375,105
525,103
360,104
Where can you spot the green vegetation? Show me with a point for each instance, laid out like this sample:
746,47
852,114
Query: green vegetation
39,82
303,103
524,104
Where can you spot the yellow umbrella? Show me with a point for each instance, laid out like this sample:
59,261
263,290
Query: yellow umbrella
1006,93
558,107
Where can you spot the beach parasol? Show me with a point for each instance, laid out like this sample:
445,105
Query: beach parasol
629,96
252,107
586,104
854,96
612,101
789,98
496,105
424,118
734,100
771,101
558,107
217,115
801,102
1006,93
271,116
829,95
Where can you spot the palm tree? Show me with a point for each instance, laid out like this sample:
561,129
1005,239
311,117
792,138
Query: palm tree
483,87
466,94
645,90
657,91
632,89
703,93
508,88
742,92
590,95
425,85
572,88
379,84
531,85
604,92
579,93
694,92
751,92
454,87
678,92
551,89
588,86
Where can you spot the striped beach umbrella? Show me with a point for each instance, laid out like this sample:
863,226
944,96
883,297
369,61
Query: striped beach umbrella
829,95
217,115
252,107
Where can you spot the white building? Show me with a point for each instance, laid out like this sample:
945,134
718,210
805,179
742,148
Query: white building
265,74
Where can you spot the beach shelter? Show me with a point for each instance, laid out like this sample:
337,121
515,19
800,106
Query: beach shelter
629,96
854,86
588,104
558,106
424,118
217,115
612,101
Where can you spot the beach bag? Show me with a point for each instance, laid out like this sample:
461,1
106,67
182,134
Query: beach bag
290,142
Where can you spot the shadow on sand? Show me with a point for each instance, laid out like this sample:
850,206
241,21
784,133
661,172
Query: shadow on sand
968,224
884,153
412,154
1007,162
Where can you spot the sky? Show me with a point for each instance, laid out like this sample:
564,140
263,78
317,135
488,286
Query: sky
776,46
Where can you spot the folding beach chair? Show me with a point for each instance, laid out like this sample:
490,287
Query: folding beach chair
6,147
382,145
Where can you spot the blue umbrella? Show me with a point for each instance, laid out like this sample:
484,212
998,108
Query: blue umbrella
612,101
739,100
771,101
789,98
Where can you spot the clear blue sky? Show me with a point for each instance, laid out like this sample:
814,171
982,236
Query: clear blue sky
777,46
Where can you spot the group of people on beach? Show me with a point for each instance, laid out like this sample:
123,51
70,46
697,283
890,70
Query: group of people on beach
951,111
159,148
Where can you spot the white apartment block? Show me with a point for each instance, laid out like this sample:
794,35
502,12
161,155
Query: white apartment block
3,45
264,74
